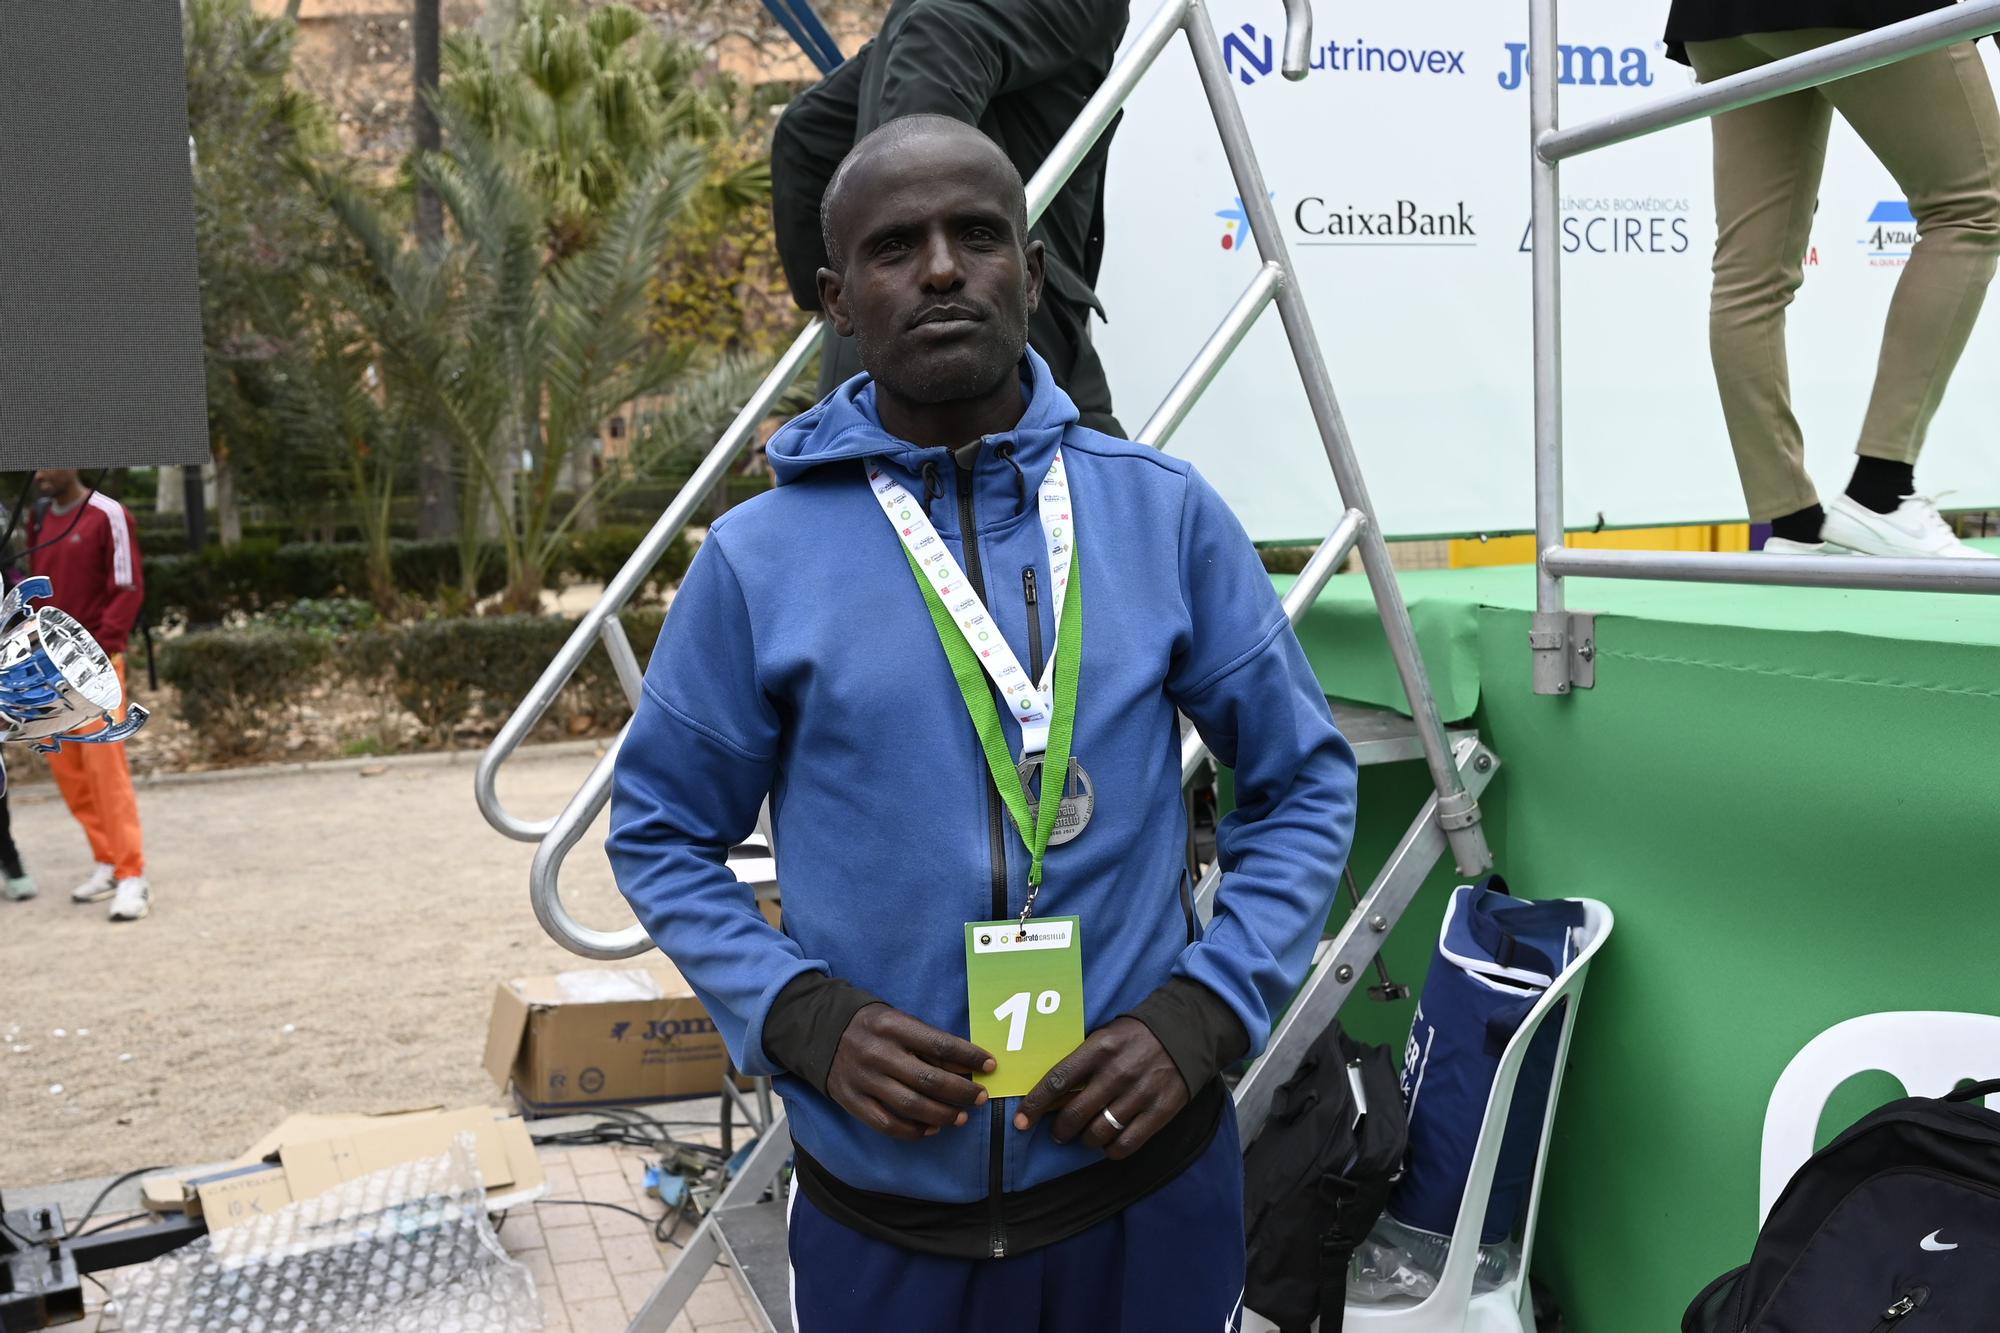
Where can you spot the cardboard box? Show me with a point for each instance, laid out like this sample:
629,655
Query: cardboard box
602,1038
308,1155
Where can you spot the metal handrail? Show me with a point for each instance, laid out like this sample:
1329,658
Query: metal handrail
1967,21
1550,628
1298,38
1305,590
1201,371
619,592
1457,808
1794,571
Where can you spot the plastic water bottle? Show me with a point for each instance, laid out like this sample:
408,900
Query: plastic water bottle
1428,1250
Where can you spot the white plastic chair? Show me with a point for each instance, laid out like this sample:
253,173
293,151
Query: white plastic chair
1927,1051
1509,1308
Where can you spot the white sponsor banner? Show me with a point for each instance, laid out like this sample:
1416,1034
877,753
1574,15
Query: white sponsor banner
1400,169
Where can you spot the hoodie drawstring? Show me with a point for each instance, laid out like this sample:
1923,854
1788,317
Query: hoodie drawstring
1006,451
933,488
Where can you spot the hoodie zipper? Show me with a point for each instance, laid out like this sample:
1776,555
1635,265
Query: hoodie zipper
1892,1318
1032,597
996,838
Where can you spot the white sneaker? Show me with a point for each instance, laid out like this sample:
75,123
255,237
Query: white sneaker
1786,546
103,882
1914,529
20,888
134,900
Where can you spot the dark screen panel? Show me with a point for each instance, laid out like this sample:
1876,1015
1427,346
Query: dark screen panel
100,315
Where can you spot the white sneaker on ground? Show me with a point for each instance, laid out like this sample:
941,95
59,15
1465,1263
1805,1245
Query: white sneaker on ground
20,888
1915,529
134,900
103,882
1786,546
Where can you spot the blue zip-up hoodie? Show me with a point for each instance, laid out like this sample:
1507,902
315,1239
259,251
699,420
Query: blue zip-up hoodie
798,660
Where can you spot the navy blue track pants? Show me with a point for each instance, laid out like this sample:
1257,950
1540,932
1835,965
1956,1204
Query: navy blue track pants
1173,1261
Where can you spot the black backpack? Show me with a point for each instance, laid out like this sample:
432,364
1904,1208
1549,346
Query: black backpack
1314,1180
1894,1225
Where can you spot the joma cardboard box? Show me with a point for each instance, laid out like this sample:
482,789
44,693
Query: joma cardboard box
308,1155
602,1038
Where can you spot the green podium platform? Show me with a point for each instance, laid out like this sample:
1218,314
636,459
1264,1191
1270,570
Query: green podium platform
1790,798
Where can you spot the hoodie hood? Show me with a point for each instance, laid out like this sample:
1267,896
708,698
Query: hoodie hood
844,426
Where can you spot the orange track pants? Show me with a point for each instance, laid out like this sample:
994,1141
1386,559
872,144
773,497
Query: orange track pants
96,784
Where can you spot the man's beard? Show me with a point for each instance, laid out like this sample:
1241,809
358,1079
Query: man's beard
952,375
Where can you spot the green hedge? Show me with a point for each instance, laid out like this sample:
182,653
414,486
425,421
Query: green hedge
262,575
234,685
440,671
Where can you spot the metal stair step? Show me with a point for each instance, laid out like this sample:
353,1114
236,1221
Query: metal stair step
1382,735
755,1238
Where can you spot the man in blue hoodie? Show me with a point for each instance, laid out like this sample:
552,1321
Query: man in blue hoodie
875,646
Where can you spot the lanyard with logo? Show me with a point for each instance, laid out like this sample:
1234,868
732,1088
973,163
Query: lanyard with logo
1036,970
1031,701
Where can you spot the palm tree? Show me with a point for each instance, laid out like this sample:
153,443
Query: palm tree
517,351
584,105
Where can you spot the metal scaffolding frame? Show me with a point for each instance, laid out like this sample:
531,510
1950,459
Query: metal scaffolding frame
1563,651
745,1227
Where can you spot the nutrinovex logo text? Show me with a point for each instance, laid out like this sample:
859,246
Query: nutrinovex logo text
1251,55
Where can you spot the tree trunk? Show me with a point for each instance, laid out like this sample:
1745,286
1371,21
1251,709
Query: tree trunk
581,478
228,518
524,594
437,497
167,494
424,31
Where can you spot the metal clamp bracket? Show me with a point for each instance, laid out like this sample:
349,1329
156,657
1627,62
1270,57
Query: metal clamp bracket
1565,645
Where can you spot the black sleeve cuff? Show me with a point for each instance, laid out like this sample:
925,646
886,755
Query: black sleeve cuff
806,1022
1202,1035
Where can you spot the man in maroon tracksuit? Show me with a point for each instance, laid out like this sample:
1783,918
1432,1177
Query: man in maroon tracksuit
88,546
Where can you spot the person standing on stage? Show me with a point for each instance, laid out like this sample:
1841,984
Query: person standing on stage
1931,120
1020,70
88,546
993,1013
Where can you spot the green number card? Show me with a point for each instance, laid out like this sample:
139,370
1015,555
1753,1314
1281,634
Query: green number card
1026,991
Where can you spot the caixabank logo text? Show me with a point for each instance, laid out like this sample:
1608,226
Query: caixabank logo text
1318,220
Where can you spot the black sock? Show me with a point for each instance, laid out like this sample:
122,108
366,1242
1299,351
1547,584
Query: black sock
1802,526
1880,484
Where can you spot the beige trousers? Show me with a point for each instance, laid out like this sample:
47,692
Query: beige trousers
1931,120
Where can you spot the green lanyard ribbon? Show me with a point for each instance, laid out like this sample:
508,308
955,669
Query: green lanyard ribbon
971,680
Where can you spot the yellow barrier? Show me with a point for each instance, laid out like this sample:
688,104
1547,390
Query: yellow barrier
1469,553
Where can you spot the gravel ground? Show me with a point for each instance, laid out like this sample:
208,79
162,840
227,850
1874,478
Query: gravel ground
320,940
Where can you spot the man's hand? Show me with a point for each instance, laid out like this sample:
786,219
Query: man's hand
1121,1066
904,1077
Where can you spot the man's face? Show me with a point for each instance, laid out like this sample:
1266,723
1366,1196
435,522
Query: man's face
54,480
939,279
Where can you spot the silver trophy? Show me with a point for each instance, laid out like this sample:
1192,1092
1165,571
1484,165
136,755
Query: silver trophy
54,679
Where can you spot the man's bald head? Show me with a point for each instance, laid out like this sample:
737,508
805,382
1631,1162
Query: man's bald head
930,267
898,145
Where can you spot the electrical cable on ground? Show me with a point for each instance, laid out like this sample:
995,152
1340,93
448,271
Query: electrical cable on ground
76,1228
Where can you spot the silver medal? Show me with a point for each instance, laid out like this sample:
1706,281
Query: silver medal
1079,799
